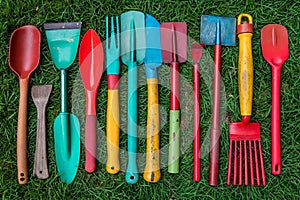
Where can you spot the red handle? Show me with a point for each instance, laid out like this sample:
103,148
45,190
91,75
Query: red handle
215,129
174,98
90,143
196,123
275,118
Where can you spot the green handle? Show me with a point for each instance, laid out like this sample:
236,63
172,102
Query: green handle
63,90
173,161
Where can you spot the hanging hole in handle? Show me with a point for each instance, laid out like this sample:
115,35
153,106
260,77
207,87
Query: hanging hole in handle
22,179
112,167
245,18
276,168
22,174
132,177
41,172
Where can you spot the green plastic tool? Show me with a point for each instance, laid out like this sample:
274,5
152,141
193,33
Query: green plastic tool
63,40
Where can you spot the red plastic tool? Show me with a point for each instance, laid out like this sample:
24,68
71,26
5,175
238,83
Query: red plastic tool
196,53
275,49
91,60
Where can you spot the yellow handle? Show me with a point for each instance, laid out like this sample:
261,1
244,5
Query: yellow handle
152,169
113,132
245,67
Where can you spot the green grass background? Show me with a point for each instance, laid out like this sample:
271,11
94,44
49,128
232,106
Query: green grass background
171,186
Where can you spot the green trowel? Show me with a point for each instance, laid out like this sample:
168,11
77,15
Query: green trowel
63,40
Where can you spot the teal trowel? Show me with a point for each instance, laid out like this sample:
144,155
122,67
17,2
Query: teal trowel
63,40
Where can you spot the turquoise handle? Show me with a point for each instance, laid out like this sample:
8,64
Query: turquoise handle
63,90
132,171
173,161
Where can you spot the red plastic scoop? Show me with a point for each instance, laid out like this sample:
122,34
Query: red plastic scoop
23,59
275,49
91,62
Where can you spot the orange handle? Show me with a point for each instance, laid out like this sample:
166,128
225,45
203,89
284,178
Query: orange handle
22,133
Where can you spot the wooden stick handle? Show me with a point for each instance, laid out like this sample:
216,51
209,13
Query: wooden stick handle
22,133
40,168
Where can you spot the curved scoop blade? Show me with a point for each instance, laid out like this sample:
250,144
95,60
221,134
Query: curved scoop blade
63,40
153,56
274,43
67,146
133,38
91,60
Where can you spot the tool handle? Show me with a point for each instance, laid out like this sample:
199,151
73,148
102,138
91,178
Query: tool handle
112,125
215,129
90,143
22,133
275,118
90,131
174,98
174,153
197,172
132,172
245,73
63,90
152,169
40,168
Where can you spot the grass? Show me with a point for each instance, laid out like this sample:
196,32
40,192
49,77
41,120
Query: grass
172,186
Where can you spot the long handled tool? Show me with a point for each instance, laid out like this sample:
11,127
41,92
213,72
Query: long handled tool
216,31
23,59
133,53
275,49
91,61
63,40
245,136
173,42
40,95
113,112
196,53
153,59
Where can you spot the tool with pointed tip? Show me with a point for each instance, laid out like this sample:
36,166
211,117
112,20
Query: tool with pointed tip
173,42
133,53
196,53
275,49
245,143
23,59
216,31
113,111
63,40
91,68
40,95
153,59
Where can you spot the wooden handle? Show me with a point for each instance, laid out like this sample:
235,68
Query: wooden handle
40,168
152,169
22,133
113,132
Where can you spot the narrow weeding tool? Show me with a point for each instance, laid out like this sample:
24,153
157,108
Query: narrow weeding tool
174,42
196,53
153,60
275,49
112,117
245,136
216,31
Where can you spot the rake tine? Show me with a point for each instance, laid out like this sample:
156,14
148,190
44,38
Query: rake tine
241,164
256,165
235,163
262,165
112,38
246,162
251,163
229,163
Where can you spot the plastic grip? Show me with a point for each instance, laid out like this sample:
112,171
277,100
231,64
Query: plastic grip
113,132
152,169
173,161
22,133
245,73
275,121
90,143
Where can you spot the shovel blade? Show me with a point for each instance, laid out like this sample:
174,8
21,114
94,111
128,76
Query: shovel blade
274,43
174,41
67,146
209,33
133,39
91,60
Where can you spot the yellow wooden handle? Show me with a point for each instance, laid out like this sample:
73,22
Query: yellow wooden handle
245,67
113,132
152,169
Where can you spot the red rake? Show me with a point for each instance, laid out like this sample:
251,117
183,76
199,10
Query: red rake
245,136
